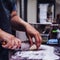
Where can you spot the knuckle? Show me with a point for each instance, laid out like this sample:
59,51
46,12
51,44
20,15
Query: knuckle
12,37
35,33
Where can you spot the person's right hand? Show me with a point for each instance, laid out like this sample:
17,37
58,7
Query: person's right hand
11,41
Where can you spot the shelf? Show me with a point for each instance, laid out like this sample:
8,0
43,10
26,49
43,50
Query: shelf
41,24
45,24
44,35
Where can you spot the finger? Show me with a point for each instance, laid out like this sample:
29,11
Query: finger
12,44
15,44
31,41
14,47
6,45
18,42
40,39
37,41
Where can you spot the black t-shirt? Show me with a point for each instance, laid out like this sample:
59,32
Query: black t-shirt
6,7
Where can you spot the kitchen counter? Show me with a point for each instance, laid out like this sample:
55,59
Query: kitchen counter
45,52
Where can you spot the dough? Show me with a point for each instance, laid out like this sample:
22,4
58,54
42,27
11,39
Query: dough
33,47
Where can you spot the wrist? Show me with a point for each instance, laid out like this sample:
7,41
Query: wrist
23,23
1,34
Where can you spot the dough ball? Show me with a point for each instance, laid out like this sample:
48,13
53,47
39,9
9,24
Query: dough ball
33,47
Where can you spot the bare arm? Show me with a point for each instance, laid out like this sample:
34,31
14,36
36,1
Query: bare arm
9,41
17,22
31,31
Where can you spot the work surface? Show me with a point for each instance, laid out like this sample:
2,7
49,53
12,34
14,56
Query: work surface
45,52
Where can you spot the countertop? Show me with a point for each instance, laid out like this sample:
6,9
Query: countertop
45,52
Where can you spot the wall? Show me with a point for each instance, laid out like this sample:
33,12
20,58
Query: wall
57,8
19,34
32,11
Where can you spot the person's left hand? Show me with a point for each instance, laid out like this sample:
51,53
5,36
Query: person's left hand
32,32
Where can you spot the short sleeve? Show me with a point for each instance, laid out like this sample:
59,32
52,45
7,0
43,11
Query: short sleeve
11,5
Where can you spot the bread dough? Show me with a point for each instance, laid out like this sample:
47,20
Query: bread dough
33,47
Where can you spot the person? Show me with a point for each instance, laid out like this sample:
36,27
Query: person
8,20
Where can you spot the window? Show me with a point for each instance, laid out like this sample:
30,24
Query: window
45,11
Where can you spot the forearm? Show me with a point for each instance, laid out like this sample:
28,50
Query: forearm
30,31
1,33
18,23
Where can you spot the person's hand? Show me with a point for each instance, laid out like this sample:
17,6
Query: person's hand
32,32
11,41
